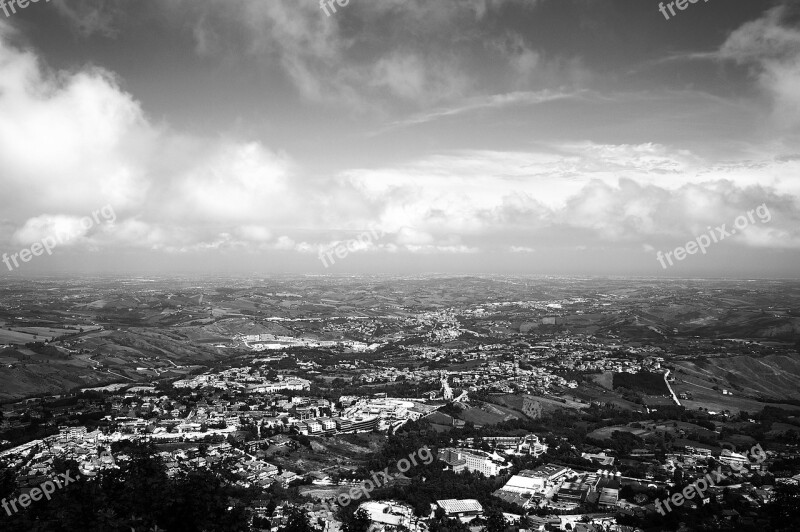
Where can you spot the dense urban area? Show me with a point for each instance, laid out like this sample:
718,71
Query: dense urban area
380,404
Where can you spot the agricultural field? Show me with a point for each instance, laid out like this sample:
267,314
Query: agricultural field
768,376
489,414
9,334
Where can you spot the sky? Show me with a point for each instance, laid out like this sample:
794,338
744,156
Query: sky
574,137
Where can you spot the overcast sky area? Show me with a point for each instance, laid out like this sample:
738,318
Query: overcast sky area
575,137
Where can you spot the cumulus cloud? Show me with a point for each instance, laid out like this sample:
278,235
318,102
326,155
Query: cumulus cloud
69,230
573,194
72,142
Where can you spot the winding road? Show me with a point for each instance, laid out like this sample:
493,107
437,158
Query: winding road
674,397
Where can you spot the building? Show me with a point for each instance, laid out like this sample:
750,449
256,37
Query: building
473,460
391,516
66,434
599,458
447,391
359,424
534,480
550,472
699,453
608,498
529,444
733,459
463,509
452,459
524,484
540,524
573,492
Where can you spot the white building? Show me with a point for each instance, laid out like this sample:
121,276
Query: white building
521,484
463,509
391,516
473,460
733,459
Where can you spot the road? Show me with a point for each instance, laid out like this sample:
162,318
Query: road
674,397
118,375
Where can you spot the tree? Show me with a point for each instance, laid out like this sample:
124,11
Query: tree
271,505
784,511
296,521
7,482
139,495
358,522
495,522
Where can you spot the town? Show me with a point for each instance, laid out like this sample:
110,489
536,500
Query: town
530,425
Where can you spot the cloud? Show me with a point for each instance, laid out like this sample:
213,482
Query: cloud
574,194
478,103
69,230
88,18
771,46
411,77
374,56
72,142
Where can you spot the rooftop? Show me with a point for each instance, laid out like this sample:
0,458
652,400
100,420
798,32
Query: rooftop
456,506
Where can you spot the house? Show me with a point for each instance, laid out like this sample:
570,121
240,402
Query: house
286,477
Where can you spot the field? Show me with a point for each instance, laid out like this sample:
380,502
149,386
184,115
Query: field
346,452
769,376
489,414
700,382
106,356
589,392
12,333
645,429
605,433
605,379
642,382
